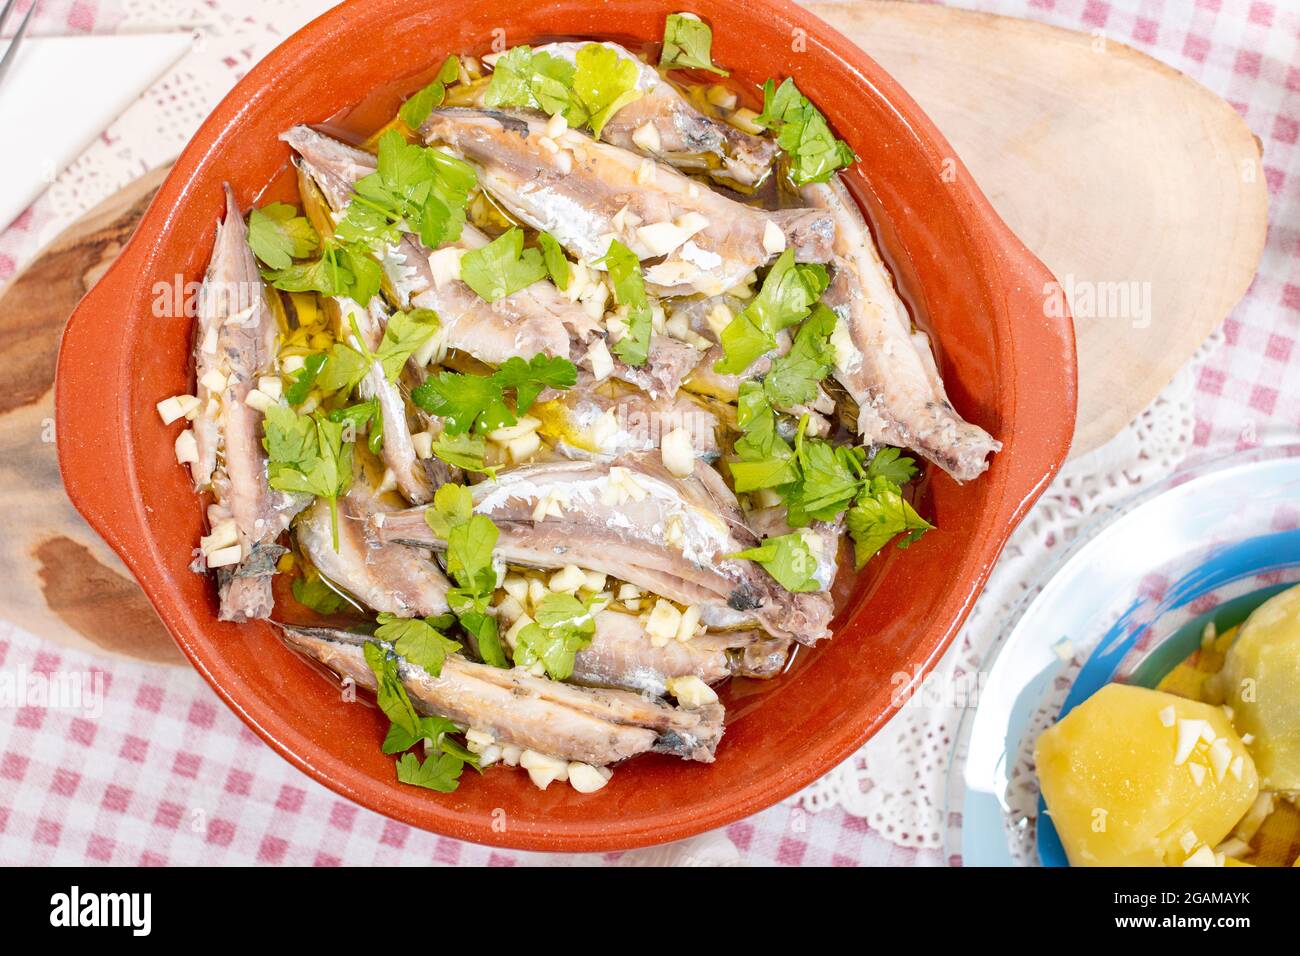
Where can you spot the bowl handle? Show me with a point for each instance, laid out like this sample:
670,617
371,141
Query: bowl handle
90,423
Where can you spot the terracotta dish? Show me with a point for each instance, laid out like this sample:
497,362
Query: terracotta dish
1008,367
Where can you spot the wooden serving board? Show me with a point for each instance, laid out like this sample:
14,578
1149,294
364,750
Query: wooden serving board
1111,166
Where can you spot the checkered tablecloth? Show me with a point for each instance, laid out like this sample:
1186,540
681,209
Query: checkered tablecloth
165,774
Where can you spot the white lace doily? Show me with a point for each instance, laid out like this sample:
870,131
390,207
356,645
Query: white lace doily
898,781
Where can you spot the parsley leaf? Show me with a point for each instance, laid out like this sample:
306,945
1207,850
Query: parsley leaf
464,401
300,385
416,189
530,378
363,416
803,133
787,296
766,459
306,453
534,81
403,336
278,235
688,45
417,109
470,539
886,463
629,291
502,267
467,452
793,377
417,640
440,772
433,729
603,84
343,369
881,513
343,269
787,558
390,695
311,591
828,482
557,264
562,626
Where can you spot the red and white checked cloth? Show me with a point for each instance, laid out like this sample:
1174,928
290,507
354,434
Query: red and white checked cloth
167,775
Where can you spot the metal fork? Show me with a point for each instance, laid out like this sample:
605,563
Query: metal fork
10,54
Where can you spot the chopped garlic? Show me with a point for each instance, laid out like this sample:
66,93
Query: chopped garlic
1197,770
556,126
719,318
564,162
1189,735
293,363
516,585
663,622
661,238
691,692
646,137
773,238
524,448
765,498
1188,840
1167,716
678,326
1220,758
476,740
512,634
445,266
525,426
1238,766
213,380
388,482
509,609
422,442
744,118
585,778
543,769
1204,856
678,452
690,623
187,449
176,407
646,172
548,144
510,755
568,579
225,557
595,581
537,590
271,385
598,357
260,400
489,755
628,592
722,97
223,536
1247,739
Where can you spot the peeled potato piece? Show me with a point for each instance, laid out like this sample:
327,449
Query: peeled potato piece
1137,777
1260,680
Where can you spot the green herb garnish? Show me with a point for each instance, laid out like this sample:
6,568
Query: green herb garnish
629,291
307,453
278,235
502,267
803,133
688,45
417,109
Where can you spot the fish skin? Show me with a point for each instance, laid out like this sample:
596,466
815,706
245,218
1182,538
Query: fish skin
630,539
532,321
588,422
890,370
535,320
621,655
586,192
236,321
414,481
390,578
686,135
598,727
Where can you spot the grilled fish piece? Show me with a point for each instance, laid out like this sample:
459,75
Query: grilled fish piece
633,520
686,138
886,366
621,655
586,193
591,421
385,577
599,727
237,336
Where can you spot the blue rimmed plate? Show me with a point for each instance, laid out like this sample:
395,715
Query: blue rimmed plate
1129,601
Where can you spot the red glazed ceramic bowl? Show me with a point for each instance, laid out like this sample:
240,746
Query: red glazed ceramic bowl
1007,366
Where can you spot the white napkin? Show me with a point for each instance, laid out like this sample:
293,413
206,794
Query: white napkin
62,92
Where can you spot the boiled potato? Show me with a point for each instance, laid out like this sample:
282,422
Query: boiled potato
1137,777
1261,682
